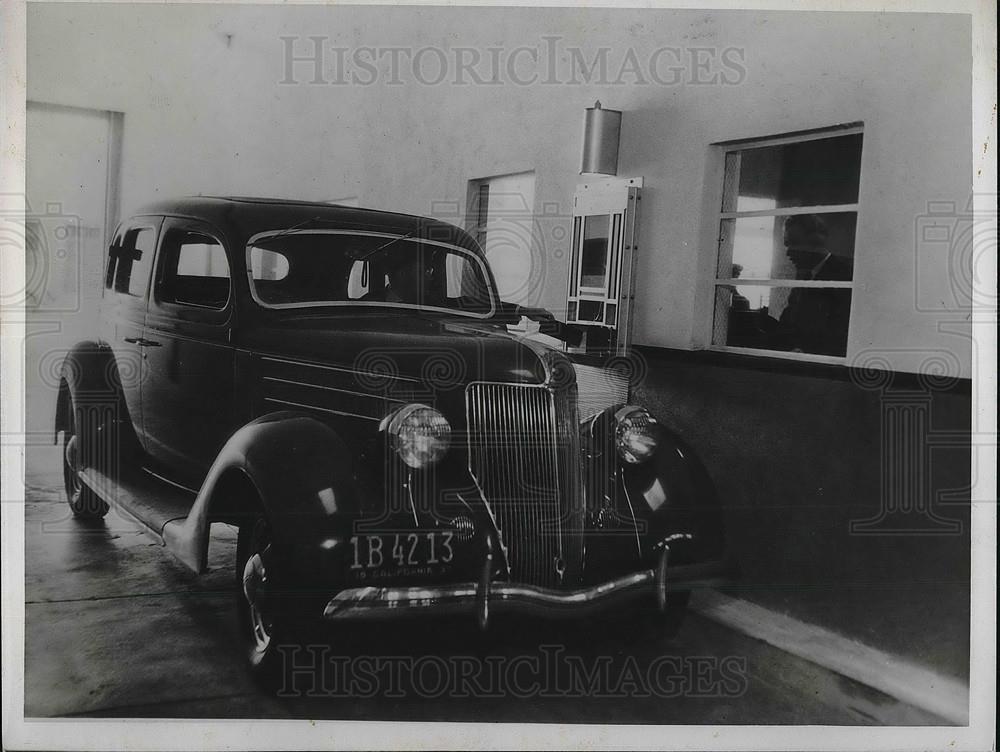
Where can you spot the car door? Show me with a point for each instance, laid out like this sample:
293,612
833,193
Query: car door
188,356
126,285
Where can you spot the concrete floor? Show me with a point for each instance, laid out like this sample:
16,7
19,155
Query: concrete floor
116,627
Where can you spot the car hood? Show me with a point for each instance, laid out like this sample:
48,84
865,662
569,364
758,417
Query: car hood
439,352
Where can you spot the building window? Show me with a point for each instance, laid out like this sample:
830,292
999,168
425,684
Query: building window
786,252
501,218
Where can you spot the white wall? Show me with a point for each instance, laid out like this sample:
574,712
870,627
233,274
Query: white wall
204,112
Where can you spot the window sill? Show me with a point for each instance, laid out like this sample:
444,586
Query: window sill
781,355
789,364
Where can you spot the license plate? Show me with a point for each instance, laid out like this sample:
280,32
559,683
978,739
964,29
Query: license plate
403,550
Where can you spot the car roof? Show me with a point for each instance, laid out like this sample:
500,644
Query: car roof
243,217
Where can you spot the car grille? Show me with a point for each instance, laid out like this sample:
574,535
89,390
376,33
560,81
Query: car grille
518,461
599,388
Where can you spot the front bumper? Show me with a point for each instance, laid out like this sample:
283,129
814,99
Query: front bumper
485,598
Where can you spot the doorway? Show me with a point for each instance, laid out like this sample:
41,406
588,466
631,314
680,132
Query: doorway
501,217
72,166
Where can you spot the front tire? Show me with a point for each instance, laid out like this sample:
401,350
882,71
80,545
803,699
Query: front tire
260,625
83,502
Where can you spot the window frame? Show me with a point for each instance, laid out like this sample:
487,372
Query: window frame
160,269
388,236
123,231
609,251
481,195
719,216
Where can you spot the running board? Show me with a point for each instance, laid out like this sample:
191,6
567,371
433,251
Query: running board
150,502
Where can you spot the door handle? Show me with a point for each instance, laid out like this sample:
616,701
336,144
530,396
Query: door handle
140,341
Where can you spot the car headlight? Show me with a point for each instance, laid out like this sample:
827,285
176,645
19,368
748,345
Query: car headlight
637,434
419,434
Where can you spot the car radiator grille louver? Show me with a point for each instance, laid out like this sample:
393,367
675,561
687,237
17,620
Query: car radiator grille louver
515,455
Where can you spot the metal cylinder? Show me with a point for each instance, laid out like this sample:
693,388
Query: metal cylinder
601,134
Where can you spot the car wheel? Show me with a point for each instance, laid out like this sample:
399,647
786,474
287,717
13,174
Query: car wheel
261,628
84,503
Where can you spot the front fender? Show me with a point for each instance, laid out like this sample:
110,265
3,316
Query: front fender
675,496
635,509
292,465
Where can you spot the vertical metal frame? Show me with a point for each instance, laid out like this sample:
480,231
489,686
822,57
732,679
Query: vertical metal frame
626,292
618,199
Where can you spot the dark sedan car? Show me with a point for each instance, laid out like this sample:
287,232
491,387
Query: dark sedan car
346,387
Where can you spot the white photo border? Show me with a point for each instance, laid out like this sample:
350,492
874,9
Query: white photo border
58,734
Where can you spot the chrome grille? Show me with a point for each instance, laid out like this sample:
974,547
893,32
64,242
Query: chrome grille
514,455
599,388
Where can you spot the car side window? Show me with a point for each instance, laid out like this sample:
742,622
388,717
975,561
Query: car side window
194,270
130,260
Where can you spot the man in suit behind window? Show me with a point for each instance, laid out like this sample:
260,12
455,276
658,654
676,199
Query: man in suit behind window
815,319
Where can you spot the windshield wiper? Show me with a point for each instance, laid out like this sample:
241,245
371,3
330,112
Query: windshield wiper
294,228
382,247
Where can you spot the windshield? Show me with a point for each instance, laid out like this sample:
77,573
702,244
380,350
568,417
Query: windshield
347,267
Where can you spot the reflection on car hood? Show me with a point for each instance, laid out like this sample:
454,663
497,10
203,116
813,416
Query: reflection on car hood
445,350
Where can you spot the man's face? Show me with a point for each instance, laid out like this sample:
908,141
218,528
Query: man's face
801,249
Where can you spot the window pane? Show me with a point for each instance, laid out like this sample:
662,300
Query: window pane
202,258
268,265
134,256
810,320
142,259
591,310
464,279
331,268
195,270
806,173
800,246
594,262
109,275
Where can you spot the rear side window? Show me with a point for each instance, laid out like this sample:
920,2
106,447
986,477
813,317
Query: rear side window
130,260
194,271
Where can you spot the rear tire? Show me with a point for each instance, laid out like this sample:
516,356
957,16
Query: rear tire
83,502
